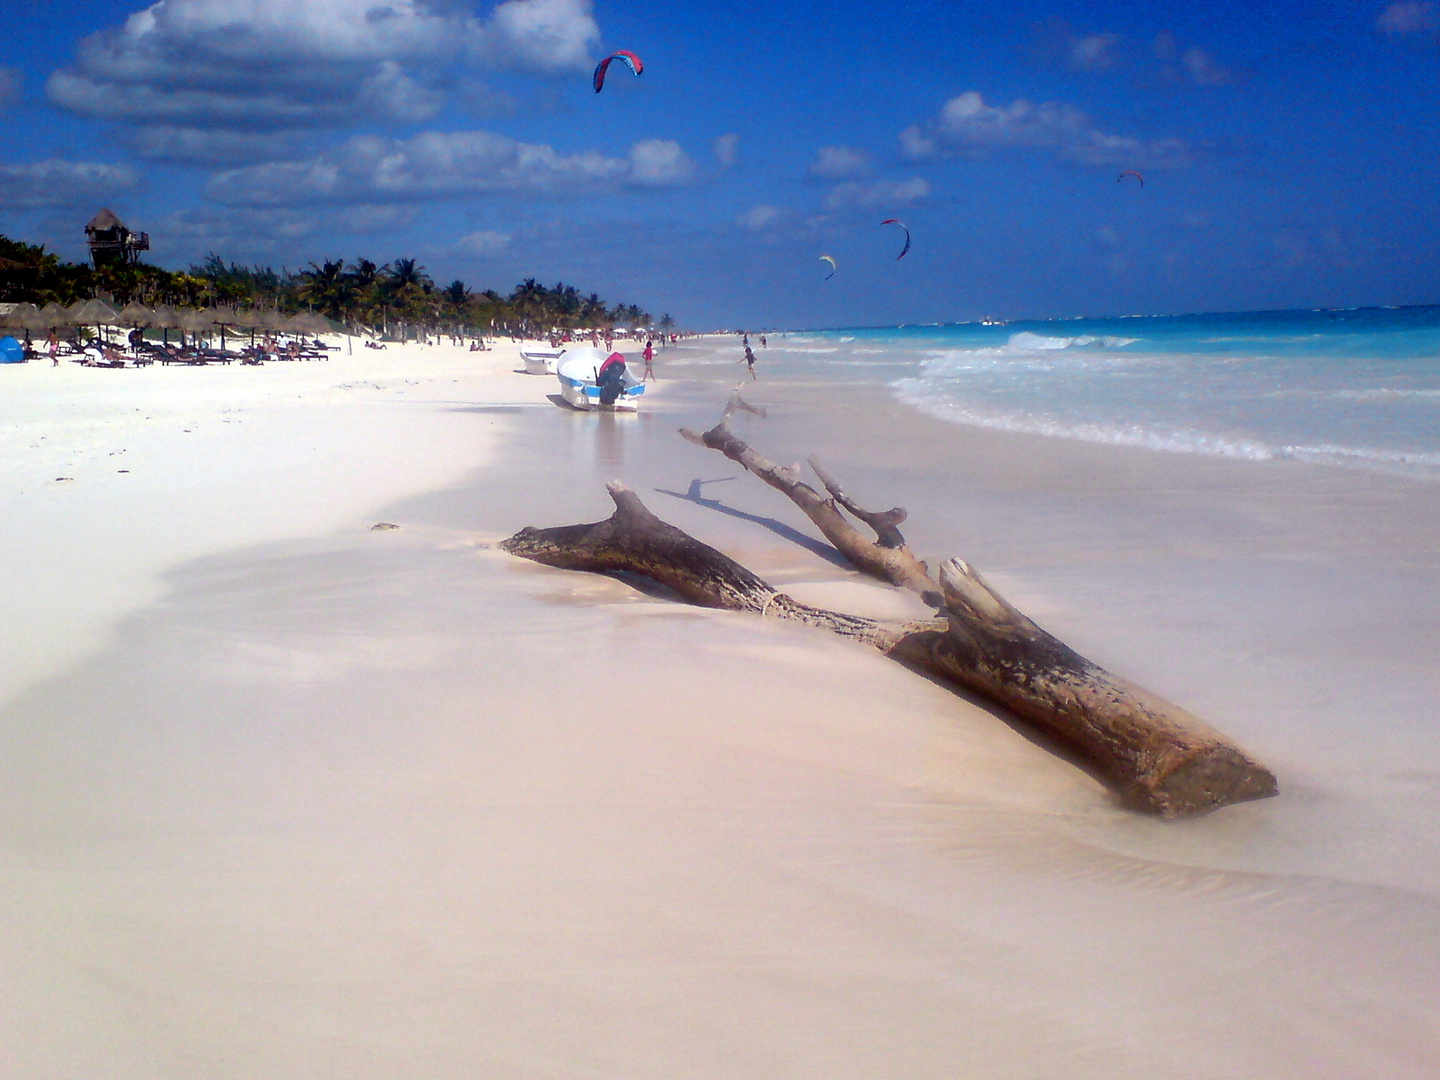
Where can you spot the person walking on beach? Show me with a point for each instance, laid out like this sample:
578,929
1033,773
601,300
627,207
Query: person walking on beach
763,343
649,375
53,341
750,362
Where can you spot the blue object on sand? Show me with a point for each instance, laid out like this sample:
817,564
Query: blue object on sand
11,351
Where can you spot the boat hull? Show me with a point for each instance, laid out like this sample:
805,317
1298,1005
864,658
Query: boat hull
540,359
580,387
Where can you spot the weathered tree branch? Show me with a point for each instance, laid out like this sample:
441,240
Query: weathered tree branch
886,523
889,560
633,540
1159,758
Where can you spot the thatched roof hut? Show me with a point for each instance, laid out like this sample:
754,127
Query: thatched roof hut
111,242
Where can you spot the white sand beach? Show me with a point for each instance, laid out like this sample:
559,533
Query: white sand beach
285,797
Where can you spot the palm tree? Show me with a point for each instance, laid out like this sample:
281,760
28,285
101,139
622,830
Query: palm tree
408,290
405,272
323,287
530,302
365,287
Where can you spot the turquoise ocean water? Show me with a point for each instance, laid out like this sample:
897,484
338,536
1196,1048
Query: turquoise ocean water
1346,388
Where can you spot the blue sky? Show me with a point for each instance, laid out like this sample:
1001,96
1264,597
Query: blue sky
1287,148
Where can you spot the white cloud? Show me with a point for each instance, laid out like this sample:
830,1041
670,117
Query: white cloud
1094,52
1408,18
1203,70
211,146
546,35
367,218
60,183
243,234
434,164
727,149
916,145
1192,65
760,217
839,163
286,63
1055,43
389,94
659,163
969,126
212,224
483,243
863,194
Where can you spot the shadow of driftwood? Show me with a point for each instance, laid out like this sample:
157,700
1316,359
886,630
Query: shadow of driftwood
695,495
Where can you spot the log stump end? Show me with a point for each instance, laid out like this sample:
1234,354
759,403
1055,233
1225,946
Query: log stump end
1206,780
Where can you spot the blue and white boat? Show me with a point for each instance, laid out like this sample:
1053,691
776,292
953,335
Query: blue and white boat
592,379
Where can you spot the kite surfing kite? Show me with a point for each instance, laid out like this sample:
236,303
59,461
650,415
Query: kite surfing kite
895,221
833,267
629,59
1130,172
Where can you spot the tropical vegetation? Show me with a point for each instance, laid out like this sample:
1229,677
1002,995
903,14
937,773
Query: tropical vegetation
394,299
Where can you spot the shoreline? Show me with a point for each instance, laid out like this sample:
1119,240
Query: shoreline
339,800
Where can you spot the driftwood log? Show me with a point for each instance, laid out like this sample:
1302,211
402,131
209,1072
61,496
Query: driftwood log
887,557
1160,759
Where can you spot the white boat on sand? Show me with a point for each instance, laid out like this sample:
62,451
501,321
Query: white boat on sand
591,379
541,358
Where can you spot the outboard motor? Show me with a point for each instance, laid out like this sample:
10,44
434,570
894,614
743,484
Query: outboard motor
611,379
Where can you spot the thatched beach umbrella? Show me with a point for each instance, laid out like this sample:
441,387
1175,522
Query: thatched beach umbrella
249,319
223,317
93,312
166,318
53,316
307,322
23,316
196,322
96,313
135,314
